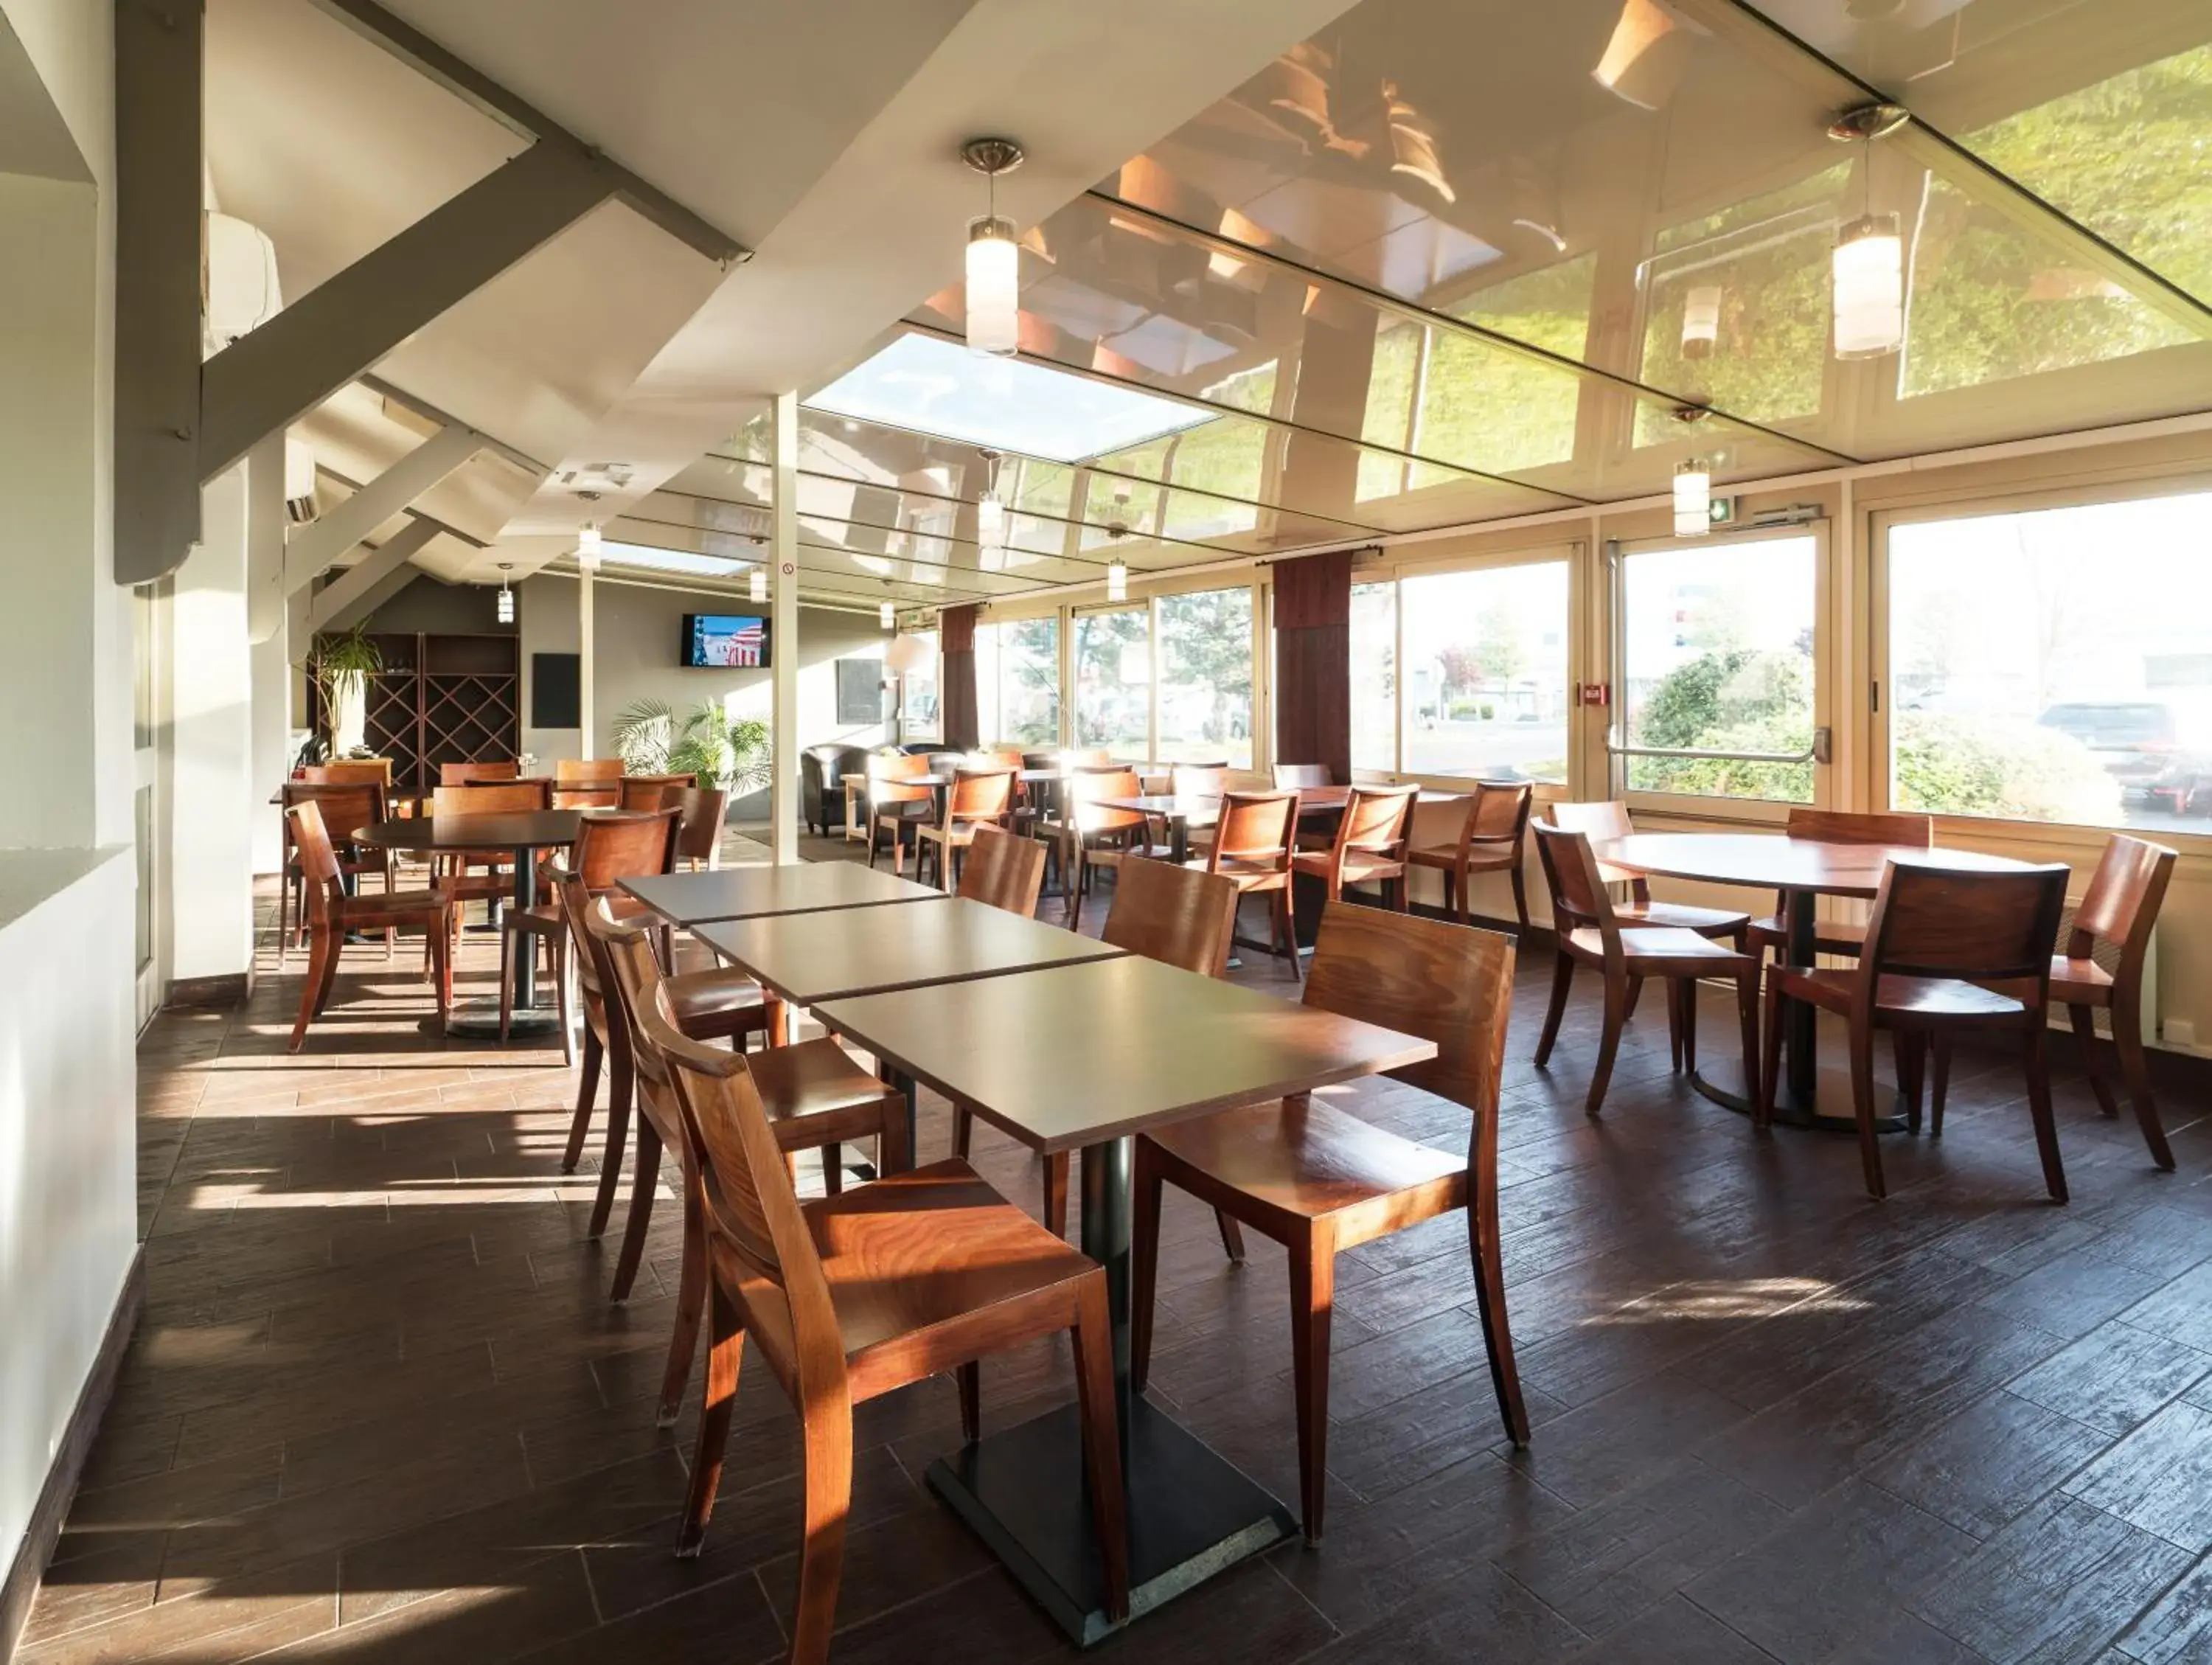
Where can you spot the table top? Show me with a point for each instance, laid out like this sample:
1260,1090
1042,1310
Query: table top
1780,863
1086,1053
804,887
810,958
1202,808
531,831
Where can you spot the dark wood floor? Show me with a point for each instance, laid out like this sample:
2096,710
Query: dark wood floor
380,1408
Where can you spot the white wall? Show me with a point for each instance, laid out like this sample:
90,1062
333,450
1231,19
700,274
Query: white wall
211,711
270,741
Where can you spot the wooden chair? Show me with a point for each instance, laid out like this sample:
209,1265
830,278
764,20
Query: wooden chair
1199,779
642,794
849,1297
588,771
608,797
489,877
1320,1180
1832,936
699,833
470,775
976,798
1003,869
1603,821
1589,930
612,846
893,804
1006,758
1296,777
346,806
332,914
1090,836
1253,843
350,772
2121,906
1947,951
1370,845
1492,839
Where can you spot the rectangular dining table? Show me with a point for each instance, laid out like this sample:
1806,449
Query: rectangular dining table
800,887
1083,1058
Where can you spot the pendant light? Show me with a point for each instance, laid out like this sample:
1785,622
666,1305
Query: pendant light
994,259
756,586
1693,484
887,616
1701,320
589,543
991,517
1117,581
505,604
1868,264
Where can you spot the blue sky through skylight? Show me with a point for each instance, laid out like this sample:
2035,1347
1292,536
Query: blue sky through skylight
1006,404
672,561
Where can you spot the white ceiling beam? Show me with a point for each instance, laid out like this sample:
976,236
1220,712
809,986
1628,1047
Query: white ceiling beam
324,606
314,546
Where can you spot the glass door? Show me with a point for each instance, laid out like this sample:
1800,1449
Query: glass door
149,723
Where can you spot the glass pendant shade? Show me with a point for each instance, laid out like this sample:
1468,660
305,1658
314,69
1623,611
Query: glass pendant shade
757,584
1117,581
1693,498
1869,287
506,613
887,615
994,272
1701,320
990,522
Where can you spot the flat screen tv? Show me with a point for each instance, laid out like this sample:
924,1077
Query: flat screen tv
725,641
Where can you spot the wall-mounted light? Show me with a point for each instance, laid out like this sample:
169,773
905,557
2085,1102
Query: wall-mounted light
756,585
506,603
1117,581
887,616
994,257
1868,265
1701,320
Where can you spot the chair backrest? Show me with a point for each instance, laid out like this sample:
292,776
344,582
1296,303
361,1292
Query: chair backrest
1858,827
1084,757
2122,902
587,771
1375,819
1005,869
345,808
1173,914
1933,921
514,798
469,774
1302,774
888,769
1088,784
319,862
699,834
1255,828
1579,897
1599,821
643,795
990,757
587,797
1450,984
979,794
350,772
594,971
615,844
1199,779
1500,812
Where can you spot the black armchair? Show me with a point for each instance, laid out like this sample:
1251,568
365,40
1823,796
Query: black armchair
821,771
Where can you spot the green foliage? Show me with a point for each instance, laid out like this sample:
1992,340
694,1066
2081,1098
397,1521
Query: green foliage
1734,700
733,752
2000,766
341,662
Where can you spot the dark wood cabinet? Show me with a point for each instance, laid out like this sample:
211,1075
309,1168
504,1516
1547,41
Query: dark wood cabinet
442,699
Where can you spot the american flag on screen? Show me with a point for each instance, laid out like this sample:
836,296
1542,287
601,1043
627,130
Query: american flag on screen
737,643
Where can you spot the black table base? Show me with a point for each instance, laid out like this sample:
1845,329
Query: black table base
1192,1514
1827,1108
477,1019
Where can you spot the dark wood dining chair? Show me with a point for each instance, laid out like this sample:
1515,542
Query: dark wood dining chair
350,772
1604,820
1589,931
489,877
471,774
1006,758
1493,838
976,798
1253,839
346,806
332,914
1370,845
1947,951
1090,837
610,846
642,794
1003,869
893,804
1295,777
699,831
1837,936
1320,1180
850,1296
588,771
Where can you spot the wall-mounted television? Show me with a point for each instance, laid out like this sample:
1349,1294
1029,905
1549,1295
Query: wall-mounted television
725,641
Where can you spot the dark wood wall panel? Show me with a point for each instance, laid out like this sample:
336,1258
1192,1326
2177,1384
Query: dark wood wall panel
955,642
1313,661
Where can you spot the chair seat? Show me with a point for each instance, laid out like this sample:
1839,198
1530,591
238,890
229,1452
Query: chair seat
477,887
934,1249
711,1005
960,832
1246,873
1359,865
1680,916
1658,942
1830,936
1896,996
2080,982
1311,1163
1093,823
1481,858
813,1079
395,905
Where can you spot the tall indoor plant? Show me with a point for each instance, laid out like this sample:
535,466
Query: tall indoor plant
341,662
731,752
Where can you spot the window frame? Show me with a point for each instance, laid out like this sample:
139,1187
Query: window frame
908,729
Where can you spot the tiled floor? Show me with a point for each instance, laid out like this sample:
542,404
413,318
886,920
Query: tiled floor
379,1407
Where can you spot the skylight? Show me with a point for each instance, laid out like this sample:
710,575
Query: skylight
671,560
1006,404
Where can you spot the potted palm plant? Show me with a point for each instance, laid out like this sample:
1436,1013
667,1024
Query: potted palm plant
341,662
708,742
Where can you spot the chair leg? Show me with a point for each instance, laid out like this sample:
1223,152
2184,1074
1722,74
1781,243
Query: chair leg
691,1301
1769,1079
963,1130
1689,998
1092,1336
1520,895
644,1181
2085,1036
1313,1297
2134,1070
283,917
1616,1017
1940,1047
1055,1194
1232,1235
441,971
2038,1064
726,1351
1911,1057
829,1503
969,1378
319,948
620,1088
1487,1252
1747,1012
1674,1023
587,1089
833,1171
506,979
1563,977
1862,1048
336,937
1288,926
1147,1185
561,963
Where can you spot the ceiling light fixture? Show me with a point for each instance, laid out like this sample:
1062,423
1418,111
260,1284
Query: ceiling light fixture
505,605
887,616
991,516
1644,56
756,585
1693,484
1869,269
1701,320
994,257
1117,581
589,546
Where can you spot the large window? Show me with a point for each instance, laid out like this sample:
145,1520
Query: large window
919,718
1206,677
2055,665
1717,649
1374,648
1485,683
1017,681
1113,681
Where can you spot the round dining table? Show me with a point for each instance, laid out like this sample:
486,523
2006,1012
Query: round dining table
1799,871
519,837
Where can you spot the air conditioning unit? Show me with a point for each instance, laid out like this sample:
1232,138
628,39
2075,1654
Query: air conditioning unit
238,290
299,480
2108,956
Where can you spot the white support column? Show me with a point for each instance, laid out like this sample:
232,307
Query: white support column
783,632
586,654
265,529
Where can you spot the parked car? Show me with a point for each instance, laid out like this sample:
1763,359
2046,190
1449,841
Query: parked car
2141,746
